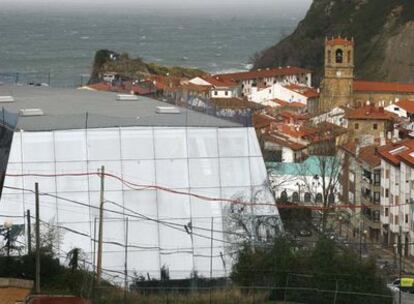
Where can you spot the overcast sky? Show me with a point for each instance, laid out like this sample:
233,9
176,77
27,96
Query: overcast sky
230,6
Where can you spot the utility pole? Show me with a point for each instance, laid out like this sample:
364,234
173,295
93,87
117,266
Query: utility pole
37,239
100,232
126,262
29,232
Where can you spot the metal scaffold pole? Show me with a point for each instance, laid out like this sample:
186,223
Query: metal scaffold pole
37,239
100,232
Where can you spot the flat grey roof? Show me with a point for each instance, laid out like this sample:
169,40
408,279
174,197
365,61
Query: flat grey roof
67,108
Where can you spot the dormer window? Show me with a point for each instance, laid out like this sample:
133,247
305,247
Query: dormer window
339,56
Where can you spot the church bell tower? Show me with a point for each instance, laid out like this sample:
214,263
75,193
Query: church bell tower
337,85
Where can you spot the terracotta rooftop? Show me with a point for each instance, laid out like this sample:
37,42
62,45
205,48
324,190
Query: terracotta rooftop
376,86
406,104
370,112
235,103
220,82
262,120
281,71
283,103
195,87
290,115
394,153
367,154
339,41
283,141
303,90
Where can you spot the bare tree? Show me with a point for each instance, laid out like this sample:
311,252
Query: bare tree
320,175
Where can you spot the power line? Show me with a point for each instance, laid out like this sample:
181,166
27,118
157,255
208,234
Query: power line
140,187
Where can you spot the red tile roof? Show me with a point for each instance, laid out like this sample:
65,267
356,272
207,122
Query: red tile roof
367,154
285,142
265,73
289,115
262,120
235,103
370,112
339,41
395,152
283,103
196,88
376,86
220,82
406,104
303,90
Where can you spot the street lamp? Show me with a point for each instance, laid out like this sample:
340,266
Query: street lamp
340,225
365,240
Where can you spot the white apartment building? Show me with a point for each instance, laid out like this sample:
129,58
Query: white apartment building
397,184
262,78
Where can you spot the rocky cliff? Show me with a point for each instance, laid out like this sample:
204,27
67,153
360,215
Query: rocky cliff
383,31
134,68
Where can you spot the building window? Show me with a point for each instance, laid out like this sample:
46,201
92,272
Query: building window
386,211
349,56
339,56
329,56
356,126
387,193
319,198
397,200
215,93
406,218
387,173
295,197
308,197
396,109
376,197
396,220
375,126
377,177
226,93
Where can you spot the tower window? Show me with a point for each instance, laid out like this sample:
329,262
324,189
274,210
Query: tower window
329,56
356,126
349,56
339,56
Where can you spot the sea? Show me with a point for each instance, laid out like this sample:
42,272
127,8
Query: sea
57,47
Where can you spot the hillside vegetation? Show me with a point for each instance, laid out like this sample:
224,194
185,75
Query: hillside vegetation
134,68
383,31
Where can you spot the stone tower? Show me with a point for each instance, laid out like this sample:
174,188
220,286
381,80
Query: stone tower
336,87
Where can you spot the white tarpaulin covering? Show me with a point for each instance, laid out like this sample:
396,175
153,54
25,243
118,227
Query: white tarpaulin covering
165,228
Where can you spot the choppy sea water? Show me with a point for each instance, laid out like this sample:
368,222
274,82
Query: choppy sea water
59,46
